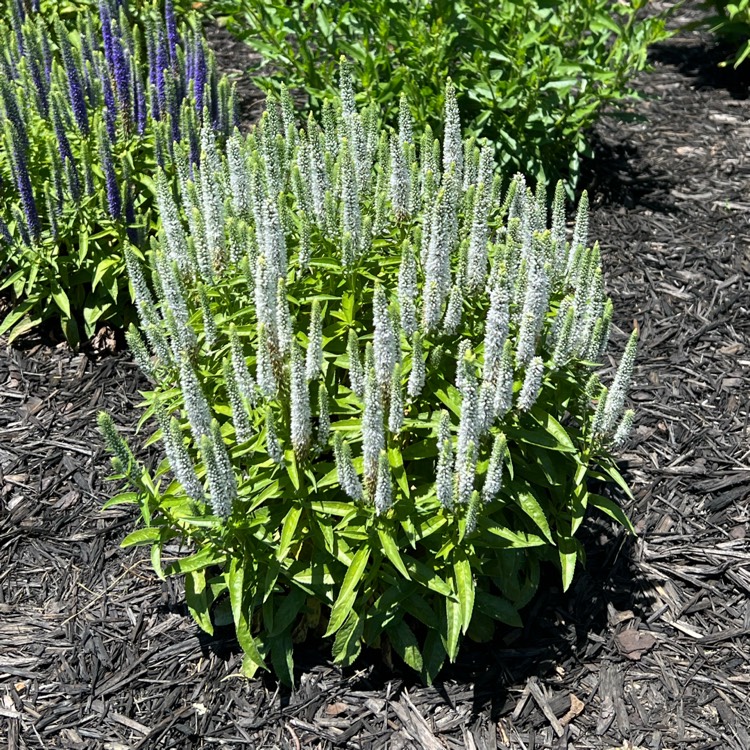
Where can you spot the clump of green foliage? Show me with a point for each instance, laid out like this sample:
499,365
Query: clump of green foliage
88,110
375,383
531,76
138,11
731,21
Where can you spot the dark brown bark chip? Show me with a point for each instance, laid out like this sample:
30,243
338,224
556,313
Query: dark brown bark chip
633,644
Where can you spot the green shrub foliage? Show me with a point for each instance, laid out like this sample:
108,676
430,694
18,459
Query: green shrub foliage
87,113
530,75
139,11
374,381
731,20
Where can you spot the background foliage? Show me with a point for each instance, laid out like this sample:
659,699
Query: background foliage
731,20
531,75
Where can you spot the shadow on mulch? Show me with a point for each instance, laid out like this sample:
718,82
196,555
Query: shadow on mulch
617,176
707,63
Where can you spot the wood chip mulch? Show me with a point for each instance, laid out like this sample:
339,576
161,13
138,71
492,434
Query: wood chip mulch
648,651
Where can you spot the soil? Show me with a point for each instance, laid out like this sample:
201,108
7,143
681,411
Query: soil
647,651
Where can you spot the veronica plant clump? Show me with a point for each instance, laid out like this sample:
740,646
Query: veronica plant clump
87,114
375,385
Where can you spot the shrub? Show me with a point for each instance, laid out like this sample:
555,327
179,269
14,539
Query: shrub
375,384
530,75
137,10
732,22
86,118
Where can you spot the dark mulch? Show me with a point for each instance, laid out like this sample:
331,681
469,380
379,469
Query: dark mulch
649,650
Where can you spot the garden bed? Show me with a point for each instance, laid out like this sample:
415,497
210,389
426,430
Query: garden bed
648,647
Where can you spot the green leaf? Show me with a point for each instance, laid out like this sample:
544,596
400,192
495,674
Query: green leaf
101,269
433,656
61,299
12,279
200,560
249,667
536,437
348,594
451,397
83,246
156,560
452,630
17,313
581,471
235,585
282,657
417,607
430,525
348,641
291,467
124,498
498,608
568,550
396,462
611,471
405,644
291,606
426,576
331,507
142,536
70,329
482,628
464,583
422,449
197,600
580,497
391,552
515,540
288,530
612,509
530,505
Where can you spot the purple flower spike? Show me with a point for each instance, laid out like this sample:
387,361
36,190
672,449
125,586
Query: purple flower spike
110,109
128,189
213,74
151,55
5,233
122,75
23,181
88,45
106,22
36,68
162,65
189,63
74,183
17,17
21,226
63,143
46,51
10,104
114,202
141,108
201,73
195,146
75,87
174,106
172,38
